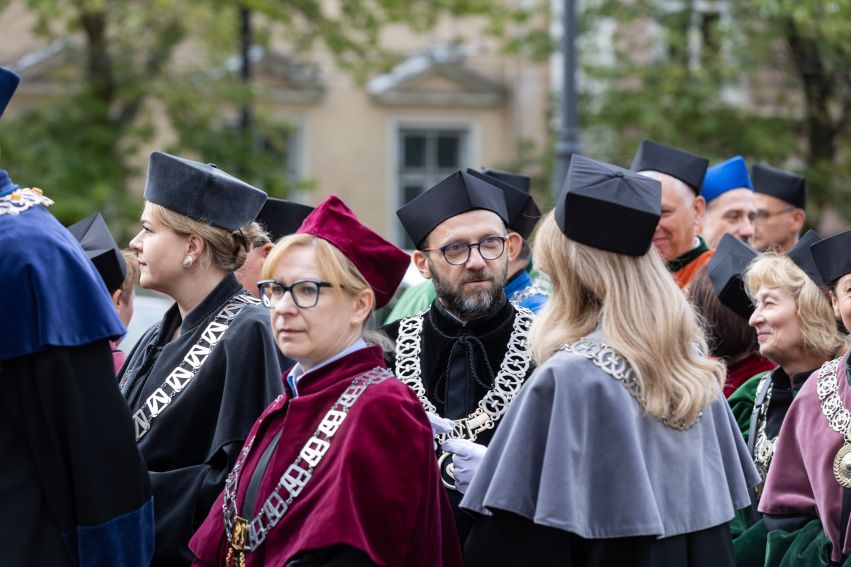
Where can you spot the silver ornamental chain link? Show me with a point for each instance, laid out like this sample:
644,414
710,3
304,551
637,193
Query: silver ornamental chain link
179,378
613,364
764,447
512,371
299,473
837,416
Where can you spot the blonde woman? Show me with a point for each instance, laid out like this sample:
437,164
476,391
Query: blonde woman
620,450
796,329
340,470
198,379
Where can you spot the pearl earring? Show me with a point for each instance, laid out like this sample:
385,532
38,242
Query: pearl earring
187,261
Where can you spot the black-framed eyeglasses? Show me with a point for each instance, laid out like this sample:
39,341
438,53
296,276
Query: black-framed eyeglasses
305,292
458,253
763,215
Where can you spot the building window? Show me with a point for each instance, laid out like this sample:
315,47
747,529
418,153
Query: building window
427,155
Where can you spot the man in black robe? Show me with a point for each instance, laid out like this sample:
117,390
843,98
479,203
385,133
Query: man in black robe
73,485
466,356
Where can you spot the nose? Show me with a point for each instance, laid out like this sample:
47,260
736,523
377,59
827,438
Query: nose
476,261
756,317
285,305
136,243
746,230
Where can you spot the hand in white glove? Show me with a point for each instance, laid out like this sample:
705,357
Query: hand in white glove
438,425
466,458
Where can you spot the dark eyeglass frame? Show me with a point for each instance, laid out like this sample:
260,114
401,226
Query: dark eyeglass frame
764,215
270,304
470,247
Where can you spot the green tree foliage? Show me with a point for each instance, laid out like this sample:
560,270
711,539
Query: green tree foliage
768,79
123,74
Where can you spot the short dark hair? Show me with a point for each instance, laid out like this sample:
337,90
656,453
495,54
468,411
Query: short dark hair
727,333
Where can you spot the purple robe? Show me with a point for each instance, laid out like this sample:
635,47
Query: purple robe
800,480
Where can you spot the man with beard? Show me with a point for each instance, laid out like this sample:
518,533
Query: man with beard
466,356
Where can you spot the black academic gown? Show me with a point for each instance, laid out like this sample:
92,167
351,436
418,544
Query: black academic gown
193,444
442,359
72,480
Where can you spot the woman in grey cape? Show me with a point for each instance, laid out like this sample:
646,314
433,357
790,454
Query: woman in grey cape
620,449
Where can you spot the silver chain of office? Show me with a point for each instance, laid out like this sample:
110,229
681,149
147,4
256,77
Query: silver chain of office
297,475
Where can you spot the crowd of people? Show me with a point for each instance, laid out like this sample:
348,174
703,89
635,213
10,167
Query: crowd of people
653,373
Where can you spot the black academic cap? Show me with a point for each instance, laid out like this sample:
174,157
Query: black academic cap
832,256
608,207
201,191
9,81
726,272
802,255
685,166
787,187
95,238
280,218
516,180
523,213
457,194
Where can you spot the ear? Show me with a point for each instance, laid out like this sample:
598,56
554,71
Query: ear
364,303
698,207
514,245
421,262
117,298
835,304
194,245
798,218
267,248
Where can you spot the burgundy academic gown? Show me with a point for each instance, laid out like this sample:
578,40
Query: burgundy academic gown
377,489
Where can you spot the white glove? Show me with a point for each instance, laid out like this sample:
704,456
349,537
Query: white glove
439,424
466,458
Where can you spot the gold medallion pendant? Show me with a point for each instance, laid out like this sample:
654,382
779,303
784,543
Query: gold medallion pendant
239,540
842,466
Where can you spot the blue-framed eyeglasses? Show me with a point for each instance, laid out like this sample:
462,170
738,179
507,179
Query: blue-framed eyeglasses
305,292
458,253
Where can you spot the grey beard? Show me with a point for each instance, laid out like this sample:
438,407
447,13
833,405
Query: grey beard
474,305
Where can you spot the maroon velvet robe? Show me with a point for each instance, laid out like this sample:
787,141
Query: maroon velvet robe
377,489
800,480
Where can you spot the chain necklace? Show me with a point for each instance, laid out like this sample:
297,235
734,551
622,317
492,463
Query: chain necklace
763,447
609,361
512,372
247,534
838,418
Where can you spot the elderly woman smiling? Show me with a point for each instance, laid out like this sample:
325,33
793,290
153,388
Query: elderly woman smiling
355,482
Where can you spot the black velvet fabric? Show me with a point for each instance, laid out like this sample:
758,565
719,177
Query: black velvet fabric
193,444
509,539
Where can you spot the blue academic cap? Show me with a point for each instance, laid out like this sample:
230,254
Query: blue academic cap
8,83
726,176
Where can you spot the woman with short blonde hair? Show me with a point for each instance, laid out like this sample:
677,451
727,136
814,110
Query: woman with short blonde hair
340,470
620,449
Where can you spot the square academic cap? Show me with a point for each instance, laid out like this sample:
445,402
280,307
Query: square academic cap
280,218
458,193
802,255
101,248
832,256
787,187
608,207
201,191
9,81
523,213
685,166
726,272
726,176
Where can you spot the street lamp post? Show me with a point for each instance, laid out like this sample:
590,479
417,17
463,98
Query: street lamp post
567,142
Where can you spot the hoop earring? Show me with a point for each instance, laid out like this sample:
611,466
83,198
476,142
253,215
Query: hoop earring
187,261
